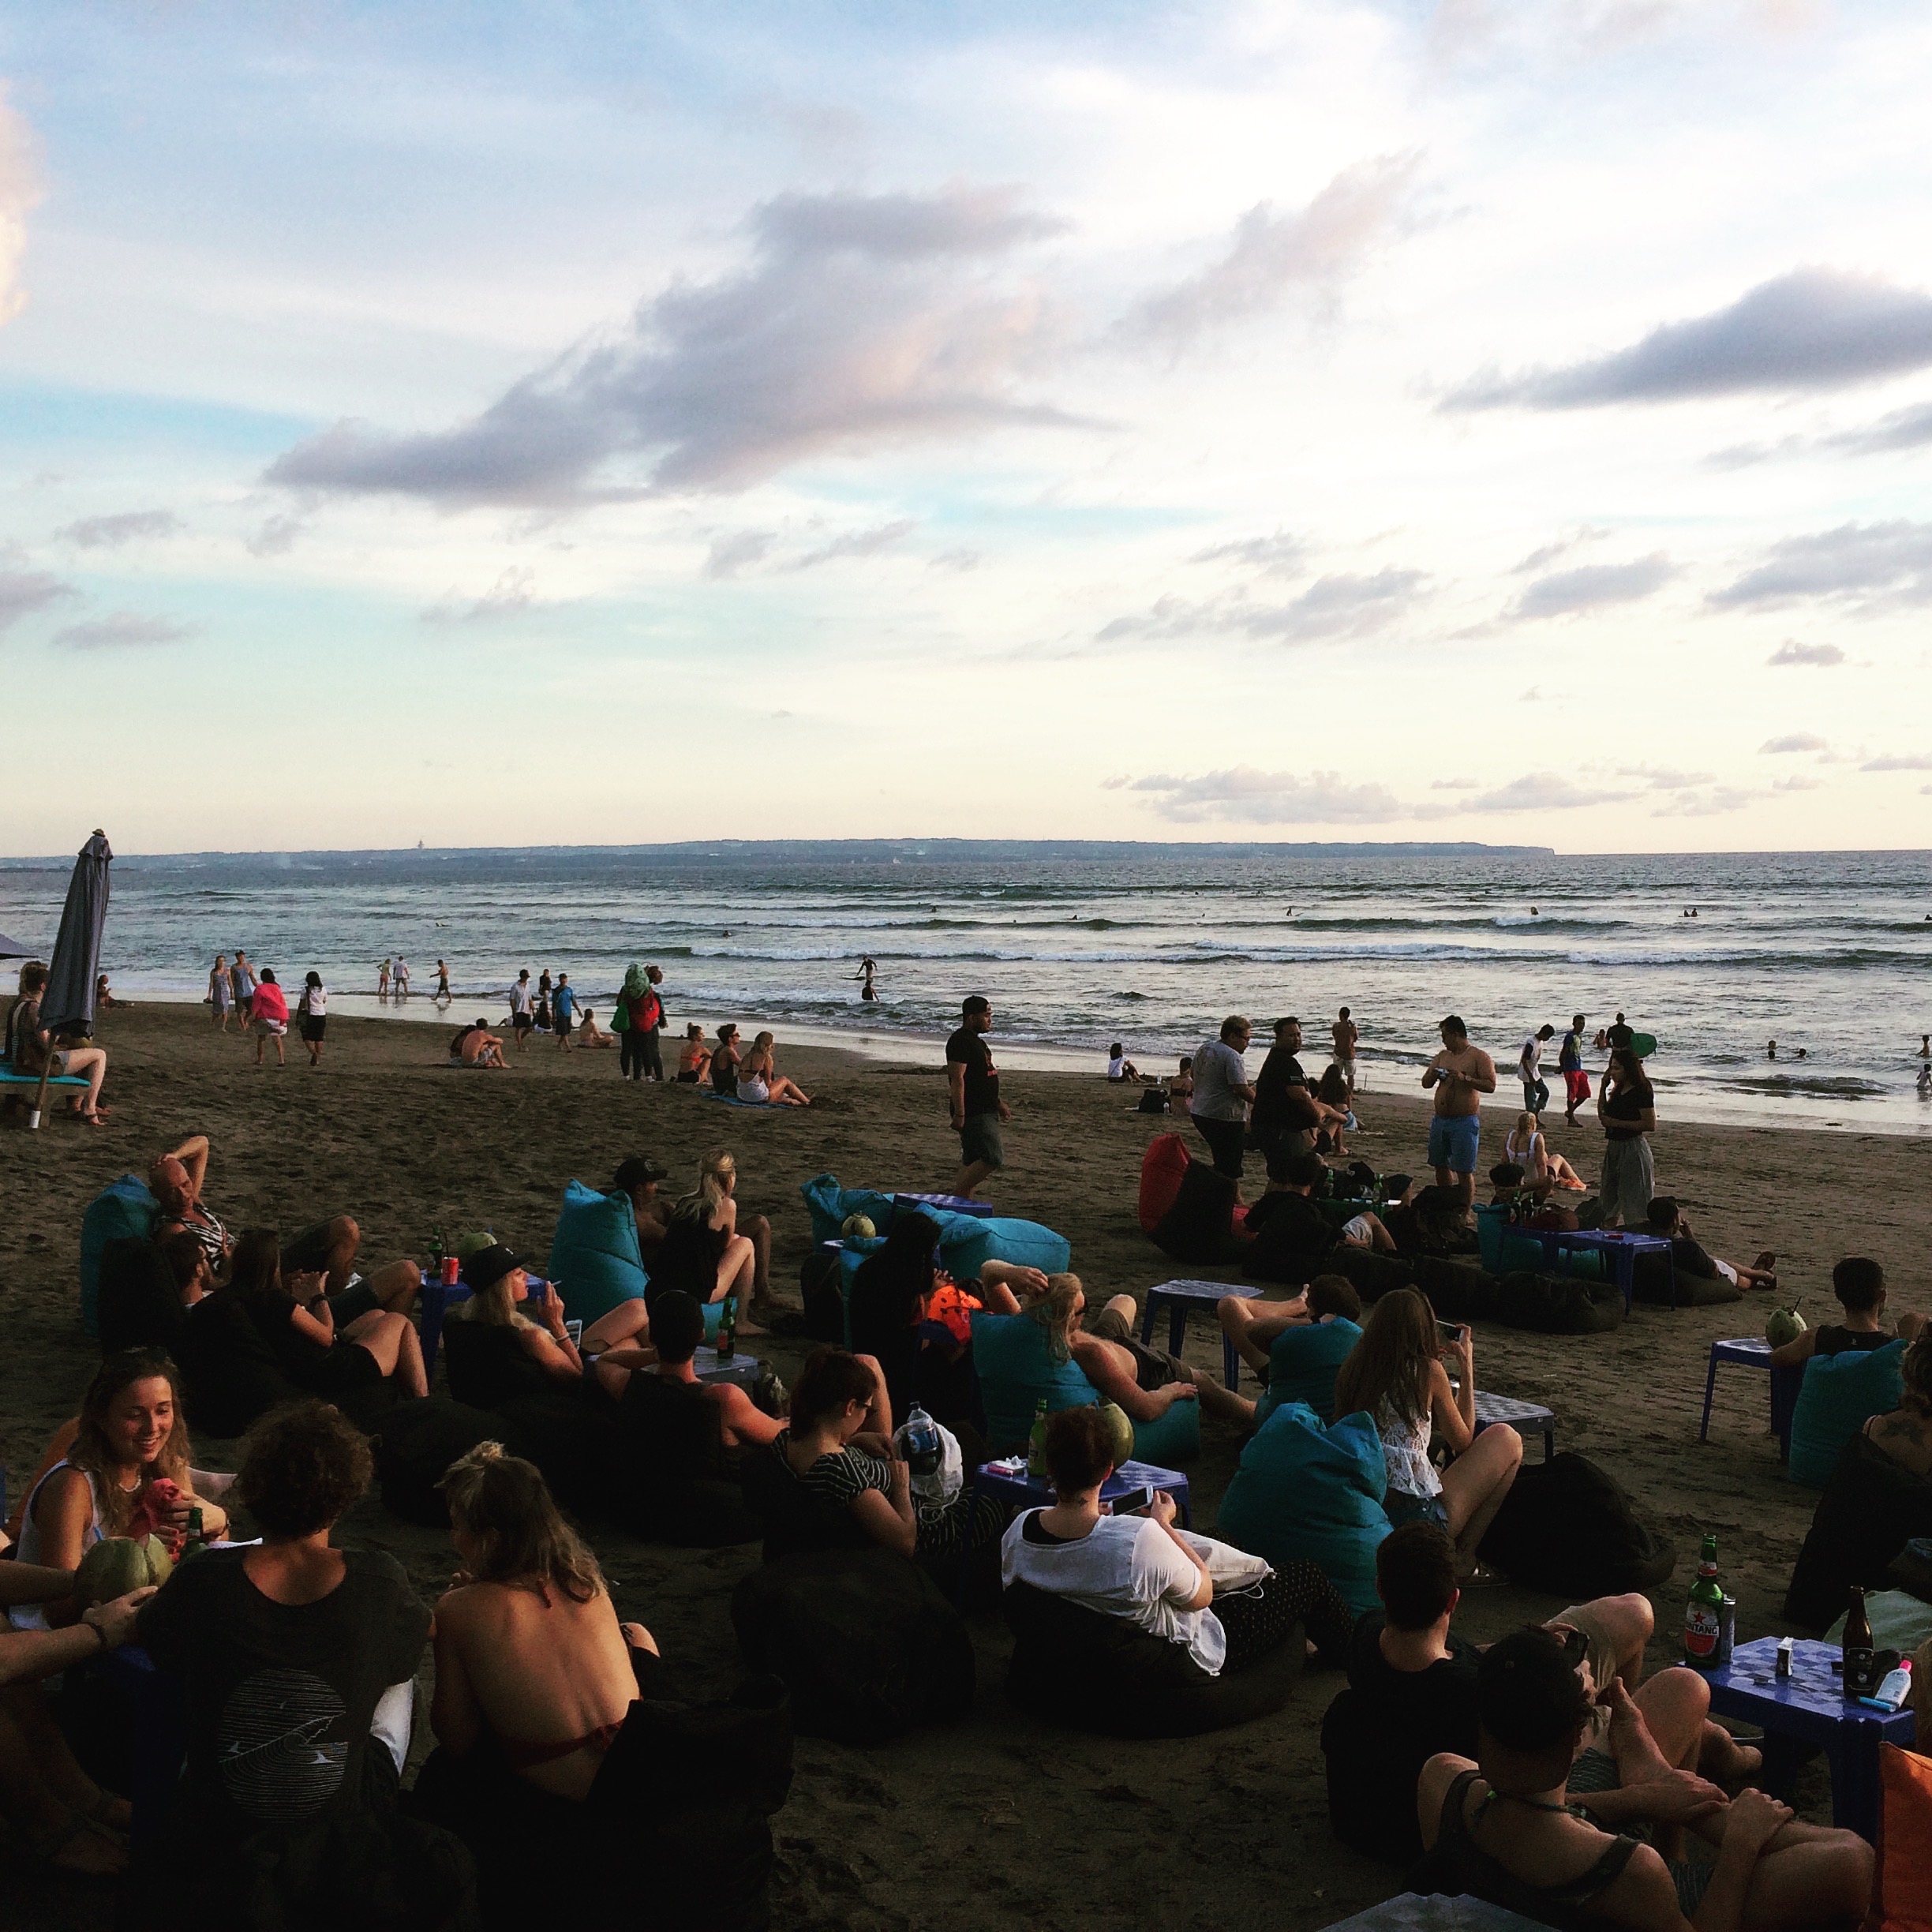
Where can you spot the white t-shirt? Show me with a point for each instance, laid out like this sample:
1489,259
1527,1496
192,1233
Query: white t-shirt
1116,1067
1126,1566
1218,1070
520,997
1529,1059
316,999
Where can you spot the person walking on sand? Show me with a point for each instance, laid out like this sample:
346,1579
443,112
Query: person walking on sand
522,1016
269,1018
1346,1034
972,1084
1459,1075
563,1004
312,1011
382,980
241,987
1570,1064
399,979
443,986
220,994
1529,1071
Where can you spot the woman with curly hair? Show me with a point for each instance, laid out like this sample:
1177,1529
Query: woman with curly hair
131,1435
1905,1434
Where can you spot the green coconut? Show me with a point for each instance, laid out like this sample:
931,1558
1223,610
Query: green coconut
858,1227
474,1242
116,1565
1784,1324
1120,1431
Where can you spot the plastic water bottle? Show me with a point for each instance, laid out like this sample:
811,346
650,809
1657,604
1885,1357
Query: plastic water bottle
1896,1692
921,1443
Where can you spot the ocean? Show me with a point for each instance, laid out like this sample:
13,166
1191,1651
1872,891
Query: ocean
1079,945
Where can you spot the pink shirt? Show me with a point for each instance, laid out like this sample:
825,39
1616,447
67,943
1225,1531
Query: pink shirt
269,1003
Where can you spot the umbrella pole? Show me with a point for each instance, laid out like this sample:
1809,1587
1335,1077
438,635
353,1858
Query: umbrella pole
33,1118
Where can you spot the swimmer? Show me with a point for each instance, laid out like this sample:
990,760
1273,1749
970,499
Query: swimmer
1925,1083
1925,1046
1771,1051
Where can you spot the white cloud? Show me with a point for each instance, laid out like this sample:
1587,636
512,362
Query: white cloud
1280,554
22,593
109,533
1272,256
1797,782
122,631
738,552
1791,652
1797,741
1344,605
1545,791
864,543
1868,566
1592,586
1898,761
513,594
861,322
1718,800
1815,328
276,536
1246,796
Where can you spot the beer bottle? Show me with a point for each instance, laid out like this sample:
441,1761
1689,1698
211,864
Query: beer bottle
1858,1646
197,1536
728,1329
1704,1614
435,1254
1036,1443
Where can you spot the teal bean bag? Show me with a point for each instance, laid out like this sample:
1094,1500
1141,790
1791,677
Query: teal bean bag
123,1210
594,1256
1016,1372
830,1203
1311,1490
966,1242
1302,1366
1841,1393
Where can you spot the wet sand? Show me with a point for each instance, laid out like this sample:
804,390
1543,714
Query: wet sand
998,1820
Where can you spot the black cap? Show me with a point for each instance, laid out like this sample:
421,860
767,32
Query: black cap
1528,1694
488,1266
636,1172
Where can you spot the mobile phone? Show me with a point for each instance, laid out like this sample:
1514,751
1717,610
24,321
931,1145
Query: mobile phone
1133,1501
1450,1332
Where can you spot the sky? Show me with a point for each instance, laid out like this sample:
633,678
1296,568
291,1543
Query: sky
601,424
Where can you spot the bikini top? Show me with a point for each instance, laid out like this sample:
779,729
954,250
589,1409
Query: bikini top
1456,1854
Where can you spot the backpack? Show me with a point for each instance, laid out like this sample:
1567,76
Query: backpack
1568,1528
650,1013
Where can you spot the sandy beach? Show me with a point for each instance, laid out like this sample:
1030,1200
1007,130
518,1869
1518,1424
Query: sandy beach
998,1820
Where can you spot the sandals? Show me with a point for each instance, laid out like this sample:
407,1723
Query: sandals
1481,1577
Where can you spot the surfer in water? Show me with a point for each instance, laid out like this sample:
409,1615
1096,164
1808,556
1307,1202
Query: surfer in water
867,969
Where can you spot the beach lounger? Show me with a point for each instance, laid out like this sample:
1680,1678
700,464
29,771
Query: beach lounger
10,1078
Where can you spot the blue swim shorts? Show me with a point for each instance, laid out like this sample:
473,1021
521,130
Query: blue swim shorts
1452,1142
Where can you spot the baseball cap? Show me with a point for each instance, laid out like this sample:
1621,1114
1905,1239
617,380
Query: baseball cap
488,1266
1528,1694
637,1172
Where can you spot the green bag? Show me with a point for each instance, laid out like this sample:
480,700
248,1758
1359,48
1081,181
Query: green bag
620,1015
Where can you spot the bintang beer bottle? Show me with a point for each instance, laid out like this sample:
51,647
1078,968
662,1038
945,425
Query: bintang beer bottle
1704,1614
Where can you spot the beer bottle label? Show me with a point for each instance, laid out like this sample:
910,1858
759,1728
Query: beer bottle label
1701,1630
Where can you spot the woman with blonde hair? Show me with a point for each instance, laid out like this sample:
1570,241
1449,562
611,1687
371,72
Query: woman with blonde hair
1394,1374
1526,1146
702,1252
534,1675
131,1434
760,1082
497,1352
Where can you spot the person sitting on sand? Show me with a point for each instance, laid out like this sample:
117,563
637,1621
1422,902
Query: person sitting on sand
1145,1567
762,1084
1502,1828
534,1674
638,1179
1432,1221
723,1068
665,1361
131,1434
1297,1224
104,1000
34,1052
1859,1284
475,1045
830,1479
298,1324
923,1360
1144,1382
1905,1433
694,1059
1648,1751
497,1352
1298,1346
1331,1091
175,1179
1119,1067
590,1034
709,1251
1526,1146
1182,1086
1396,1376
1665,1220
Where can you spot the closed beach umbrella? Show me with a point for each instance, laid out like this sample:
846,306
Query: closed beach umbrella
67,1006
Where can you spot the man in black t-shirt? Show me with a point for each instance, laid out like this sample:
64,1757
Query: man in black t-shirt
972,1083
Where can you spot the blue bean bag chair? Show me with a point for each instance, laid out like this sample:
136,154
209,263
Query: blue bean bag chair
594,1256
1309,1490
1840,1394
966,1243
829,1204
1302,1365
123,1210
1017,1372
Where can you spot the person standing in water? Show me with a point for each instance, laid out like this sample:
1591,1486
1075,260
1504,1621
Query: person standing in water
382,980
1346,1033
867,969
443,990
220,993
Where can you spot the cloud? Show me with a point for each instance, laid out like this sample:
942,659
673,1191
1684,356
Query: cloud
1898,761
861,321
1280,556
1665,780
1456,784
1341,605
19,193
1797,741
1246,796
122,631
1903,430
276,537
22,593
956,560
1797,782
863,543
1815,328
739,551
1791,652
513,594
109,533
1543,791
1589,586
1270,255
1870,565
1709,804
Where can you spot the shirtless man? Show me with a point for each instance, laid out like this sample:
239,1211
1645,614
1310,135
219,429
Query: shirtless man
1144,1382
1346,1033
477,1045
1459,1075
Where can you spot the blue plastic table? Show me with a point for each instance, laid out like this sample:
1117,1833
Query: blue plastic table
1809,1712
948,1204
1752,1352
1525,1417
1618,1245
1025,1491
1180,1296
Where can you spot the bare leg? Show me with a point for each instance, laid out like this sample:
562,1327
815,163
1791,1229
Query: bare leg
27,1800
1474,1485
1628,1621
380,1333
970,1177
1222,1402
627,1321
1809,1875
92,1061
1253,1332
1125,1306
757,1230
787,1092
737,1269
397,1286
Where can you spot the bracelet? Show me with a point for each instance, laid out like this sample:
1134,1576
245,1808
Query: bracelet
98,1631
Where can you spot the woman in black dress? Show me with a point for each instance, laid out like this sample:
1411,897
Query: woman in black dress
300,1328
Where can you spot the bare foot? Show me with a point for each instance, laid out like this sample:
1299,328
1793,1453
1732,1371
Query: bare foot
1724,1760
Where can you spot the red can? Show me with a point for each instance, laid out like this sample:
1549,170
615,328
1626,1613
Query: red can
452,1267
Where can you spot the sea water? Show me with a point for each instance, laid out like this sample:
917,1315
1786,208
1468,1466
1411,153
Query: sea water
1715,955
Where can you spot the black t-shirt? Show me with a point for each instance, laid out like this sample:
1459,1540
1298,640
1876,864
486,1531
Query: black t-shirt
1276,1105
1432,1710
1296,1223
281,1696
1834,1340
1620,1034
1628,1103
969,1050
1688,1258
231,1374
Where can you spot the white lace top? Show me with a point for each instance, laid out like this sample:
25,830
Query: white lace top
1406,1449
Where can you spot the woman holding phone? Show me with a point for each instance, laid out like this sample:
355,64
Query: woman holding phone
497,1352
1395,1373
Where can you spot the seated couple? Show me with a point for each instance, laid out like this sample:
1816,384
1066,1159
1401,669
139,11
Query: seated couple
1296,1346
1227,1608
707,1248
1859,1284
752,1076
658,1384
1298,1223
475,1045
1511,1827
1664,1219
1646,1754
32,1049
